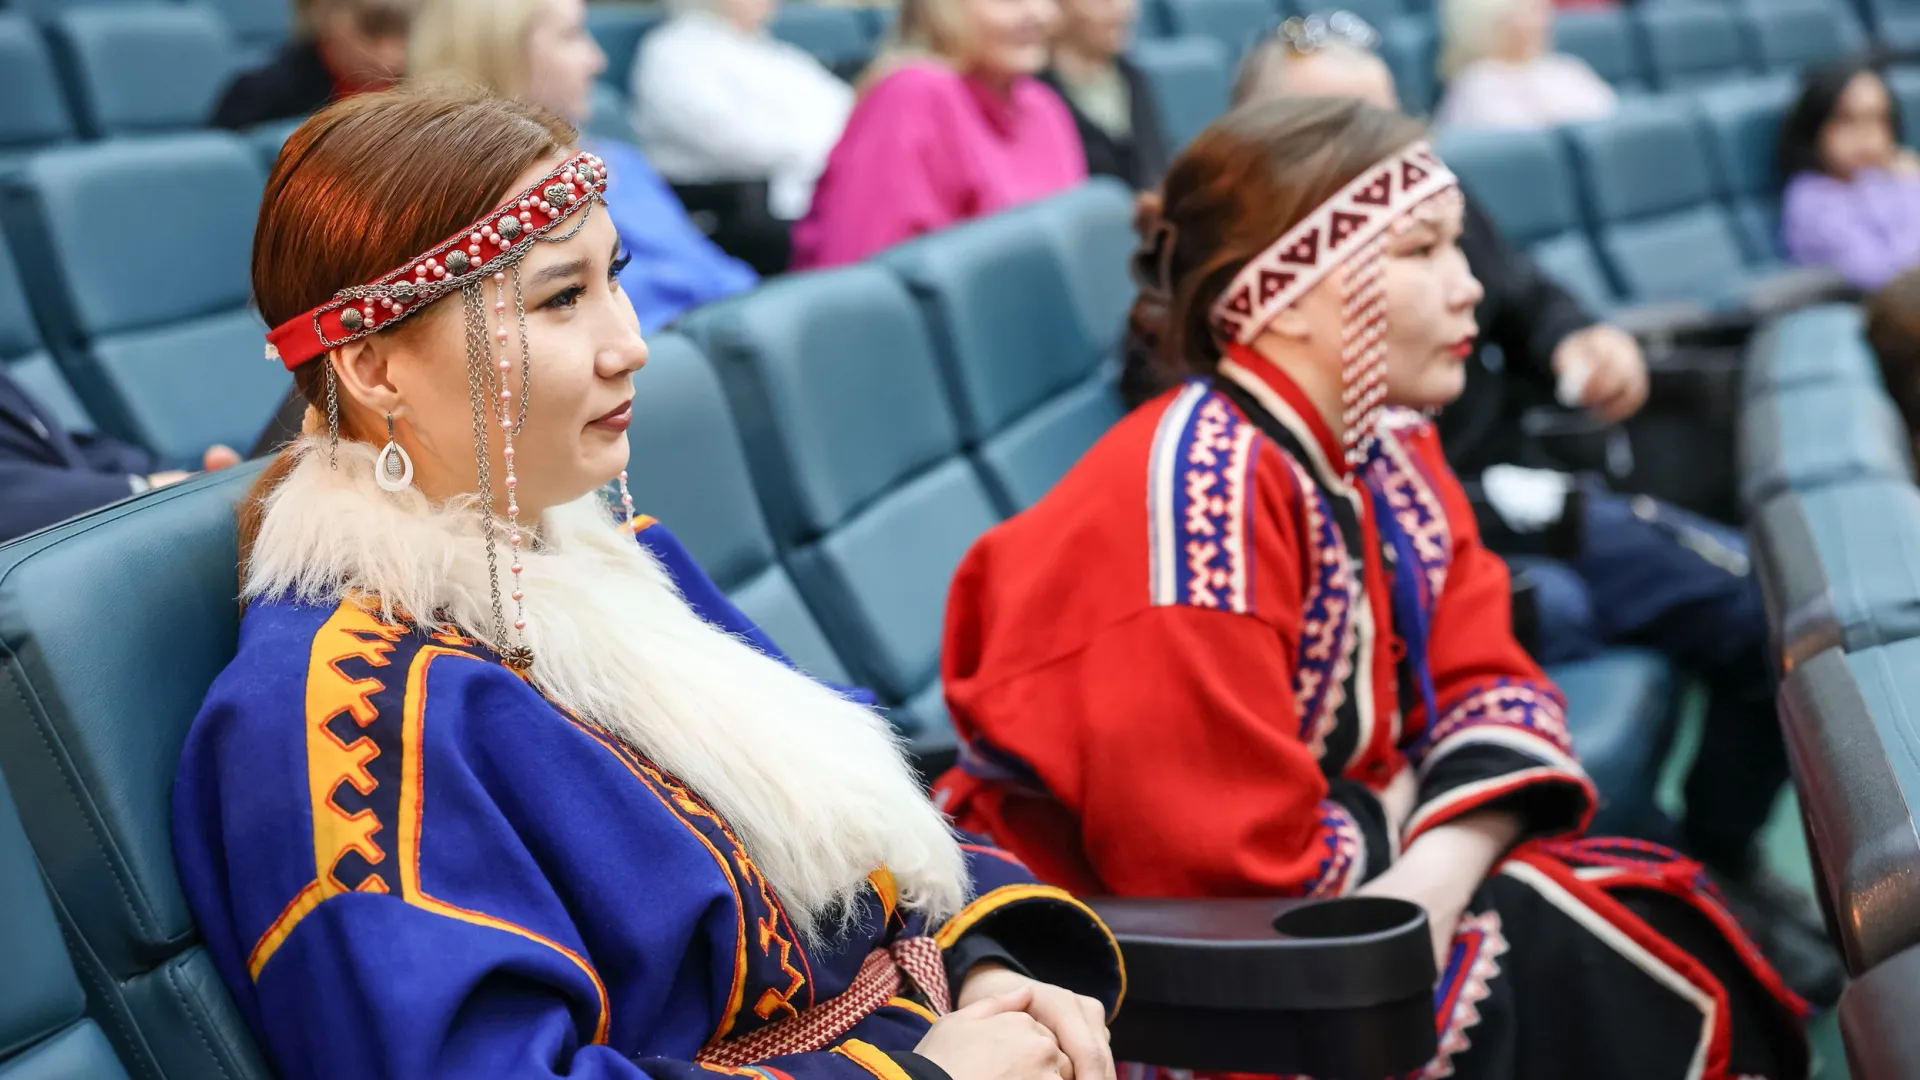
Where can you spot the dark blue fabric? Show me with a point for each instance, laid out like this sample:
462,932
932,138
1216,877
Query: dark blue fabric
1654,575
47,474
675,268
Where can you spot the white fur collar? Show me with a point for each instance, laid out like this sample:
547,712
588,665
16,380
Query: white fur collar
816,786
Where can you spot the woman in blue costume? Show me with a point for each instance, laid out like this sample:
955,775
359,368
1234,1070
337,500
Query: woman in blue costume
493,790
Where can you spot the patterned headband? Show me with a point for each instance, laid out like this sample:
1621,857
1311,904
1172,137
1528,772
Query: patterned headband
1276,278
488,246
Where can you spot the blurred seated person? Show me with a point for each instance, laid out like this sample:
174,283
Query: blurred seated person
49,474
1646,573
951,124
1497,59
539,51
1852,196
576,816
1111,99
1251,644
1893,330
717,97
341,48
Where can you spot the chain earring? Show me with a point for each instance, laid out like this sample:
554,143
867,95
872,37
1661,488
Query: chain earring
393,469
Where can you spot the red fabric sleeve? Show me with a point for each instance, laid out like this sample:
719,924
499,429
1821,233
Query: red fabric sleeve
1502,733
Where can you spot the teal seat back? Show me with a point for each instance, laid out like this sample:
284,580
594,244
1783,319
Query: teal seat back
688,470
111,628
44,1033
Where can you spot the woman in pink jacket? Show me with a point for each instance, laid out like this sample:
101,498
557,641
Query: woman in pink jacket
951,124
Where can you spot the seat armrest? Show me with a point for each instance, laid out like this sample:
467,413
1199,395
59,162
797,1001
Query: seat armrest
1340,987
1876,1020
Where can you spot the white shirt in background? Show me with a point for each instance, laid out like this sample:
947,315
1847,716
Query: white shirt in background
1541,93
713,102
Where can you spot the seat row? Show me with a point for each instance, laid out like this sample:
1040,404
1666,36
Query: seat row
125,290
1672,198
1826,473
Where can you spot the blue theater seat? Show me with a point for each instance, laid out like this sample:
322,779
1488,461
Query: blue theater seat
1810,347
1524,182
112,626
1904,83
618,25
1855,747
836,36
25,355
1409,44
35,114
1235,24
1027,379
1802,440
146,286
1787,35
1741,123
1604,38
1840,566
1692,44
1876,1020
1620,713
257,26
43,1032
1192,79
688,471
1649,193
1092,233
138,68
835,383
268,138
1895,22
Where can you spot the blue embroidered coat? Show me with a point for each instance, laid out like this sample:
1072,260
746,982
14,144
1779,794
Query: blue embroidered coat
408,864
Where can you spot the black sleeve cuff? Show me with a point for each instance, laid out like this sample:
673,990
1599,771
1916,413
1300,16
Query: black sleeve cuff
917,1067
970,952
1367,812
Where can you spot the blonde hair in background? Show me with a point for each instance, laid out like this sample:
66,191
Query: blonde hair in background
481,41
1469,30
926,30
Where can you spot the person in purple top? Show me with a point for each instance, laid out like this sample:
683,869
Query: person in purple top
1852,198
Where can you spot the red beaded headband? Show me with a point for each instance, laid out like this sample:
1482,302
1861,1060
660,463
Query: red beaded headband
1276,278
492,244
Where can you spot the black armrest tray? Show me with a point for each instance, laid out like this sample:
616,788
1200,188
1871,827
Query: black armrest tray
1339,989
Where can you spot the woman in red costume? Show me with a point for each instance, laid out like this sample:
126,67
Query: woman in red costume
1252,645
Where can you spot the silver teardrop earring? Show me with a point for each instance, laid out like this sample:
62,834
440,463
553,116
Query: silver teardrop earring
393,469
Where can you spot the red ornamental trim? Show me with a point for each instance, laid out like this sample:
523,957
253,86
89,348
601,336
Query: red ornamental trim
487,246
1276,278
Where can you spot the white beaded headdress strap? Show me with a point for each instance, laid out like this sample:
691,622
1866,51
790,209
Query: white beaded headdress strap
1349,230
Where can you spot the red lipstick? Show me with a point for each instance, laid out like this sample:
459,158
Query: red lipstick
615,420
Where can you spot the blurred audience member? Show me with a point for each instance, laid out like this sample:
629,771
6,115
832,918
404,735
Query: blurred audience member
343,47
49,474
1501,71
1893,329
539,51
716,97
1852,199
951,124
1111,100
